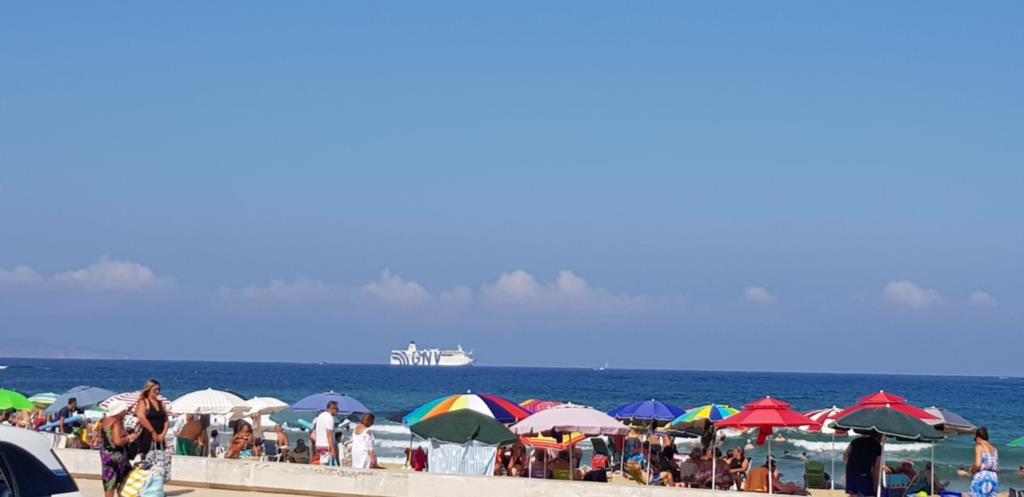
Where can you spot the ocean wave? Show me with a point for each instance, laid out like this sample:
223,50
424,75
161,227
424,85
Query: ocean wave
393,461
391,428
825,446
400,444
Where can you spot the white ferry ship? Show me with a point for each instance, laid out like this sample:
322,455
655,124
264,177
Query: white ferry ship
413,356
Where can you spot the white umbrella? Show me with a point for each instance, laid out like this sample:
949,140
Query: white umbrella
209,401
264,405
568,418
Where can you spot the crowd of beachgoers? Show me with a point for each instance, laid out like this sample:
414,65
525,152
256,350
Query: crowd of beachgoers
130,426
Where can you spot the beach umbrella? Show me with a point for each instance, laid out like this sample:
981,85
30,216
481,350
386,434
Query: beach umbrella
701,418
952,423
9,399
646,412
132,399
463,426
826,419
884,399
892,423
259,406
1017,442
765,415
500,409
87,397
209,401
570,418
318,402
535,405
43,399
564,441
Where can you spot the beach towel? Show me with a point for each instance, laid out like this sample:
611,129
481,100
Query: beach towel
136,479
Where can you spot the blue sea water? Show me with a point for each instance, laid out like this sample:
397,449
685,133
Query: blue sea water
994,402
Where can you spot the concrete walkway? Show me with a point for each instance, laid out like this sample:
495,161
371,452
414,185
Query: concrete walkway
94,488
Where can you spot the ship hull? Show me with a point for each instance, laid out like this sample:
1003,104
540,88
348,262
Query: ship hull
429,358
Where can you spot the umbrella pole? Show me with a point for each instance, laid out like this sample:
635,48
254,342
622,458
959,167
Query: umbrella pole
832,480
881,470
771,466
933,470
714,460
529,465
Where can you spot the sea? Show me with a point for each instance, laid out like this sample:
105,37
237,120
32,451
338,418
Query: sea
995,402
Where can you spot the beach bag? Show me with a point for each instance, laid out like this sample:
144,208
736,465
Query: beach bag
154,486
159,461
136,479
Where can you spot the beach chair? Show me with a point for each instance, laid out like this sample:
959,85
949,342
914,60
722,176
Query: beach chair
562,474
270,451
688,472
757,480
814,475
896,485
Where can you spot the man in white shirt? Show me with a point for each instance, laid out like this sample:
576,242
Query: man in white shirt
323,436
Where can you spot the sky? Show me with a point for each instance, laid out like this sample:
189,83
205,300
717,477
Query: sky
798,186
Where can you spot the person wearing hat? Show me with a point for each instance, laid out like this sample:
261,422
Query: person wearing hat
114,444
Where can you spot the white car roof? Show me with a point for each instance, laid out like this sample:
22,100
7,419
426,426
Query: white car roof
36,444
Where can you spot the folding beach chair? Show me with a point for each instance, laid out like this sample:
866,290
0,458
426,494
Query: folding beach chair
814,475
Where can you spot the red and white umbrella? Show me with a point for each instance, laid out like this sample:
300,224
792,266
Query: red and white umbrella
132,399
826,419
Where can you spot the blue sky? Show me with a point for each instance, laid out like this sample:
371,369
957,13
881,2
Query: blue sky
794,186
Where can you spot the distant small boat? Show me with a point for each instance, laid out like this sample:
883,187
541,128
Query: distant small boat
602,368
2,367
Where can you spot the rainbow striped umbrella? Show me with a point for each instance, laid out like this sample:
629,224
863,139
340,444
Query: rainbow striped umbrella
502,410
699,416
535,405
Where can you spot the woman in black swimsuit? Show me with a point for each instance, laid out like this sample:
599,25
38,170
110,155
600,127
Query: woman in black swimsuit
152,417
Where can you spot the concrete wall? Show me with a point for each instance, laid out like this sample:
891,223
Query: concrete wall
316,480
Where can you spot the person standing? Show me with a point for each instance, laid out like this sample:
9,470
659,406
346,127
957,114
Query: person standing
114,449
65,413
363,454
863,459
152,418
986,466
188,438
323,434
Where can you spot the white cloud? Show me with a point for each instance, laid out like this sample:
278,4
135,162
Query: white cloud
106,274
103,275
982,299
517,291
20,275
909,294
458,296
759,295
517,285
570,284
299,290
390,288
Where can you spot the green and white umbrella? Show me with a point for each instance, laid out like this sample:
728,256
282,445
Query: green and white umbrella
44,399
